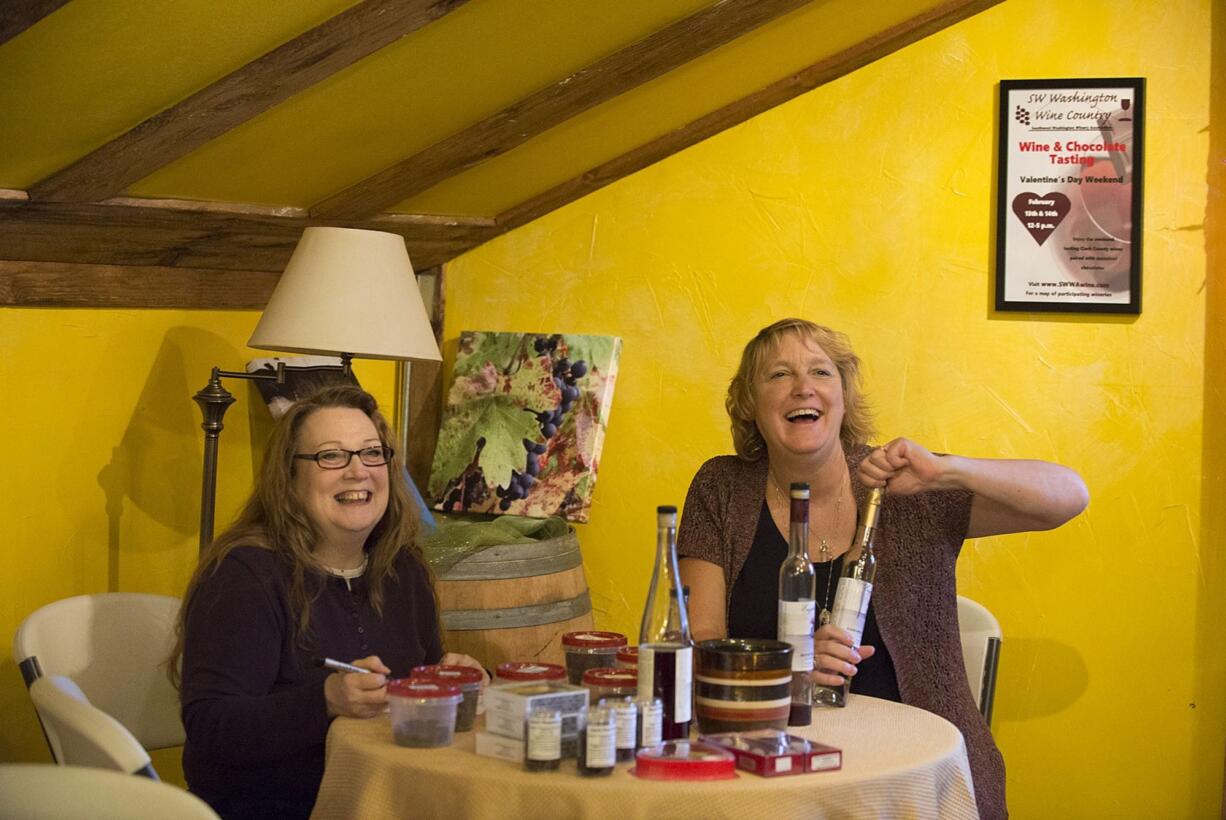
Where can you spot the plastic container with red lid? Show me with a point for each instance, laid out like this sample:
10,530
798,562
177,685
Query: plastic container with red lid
467,678
590,650
628,657
519,671
611,683
423,712
685,760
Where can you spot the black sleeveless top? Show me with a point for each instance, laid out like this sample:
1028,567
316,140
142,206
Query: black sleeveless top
753,611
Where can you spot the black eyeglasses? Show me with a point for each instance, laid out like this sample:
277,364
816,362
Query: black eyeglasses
339,459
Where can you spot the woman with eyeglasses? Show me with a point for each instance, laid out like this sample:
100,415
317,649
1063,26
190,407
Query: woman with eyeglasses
321,563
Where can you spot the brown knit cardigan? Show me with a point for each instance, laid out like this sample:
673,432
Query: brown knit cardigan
914,597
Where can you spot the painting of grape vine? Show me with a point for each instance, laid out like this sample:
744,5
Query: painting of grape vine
524,423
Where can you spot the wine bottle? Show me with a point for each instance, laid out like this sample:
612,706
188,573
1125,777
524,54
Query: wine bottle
666,651
797,607
855,589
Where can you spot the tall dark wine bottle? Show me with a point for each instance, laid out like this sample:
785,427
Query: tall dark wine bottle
797,607
666,651
855,589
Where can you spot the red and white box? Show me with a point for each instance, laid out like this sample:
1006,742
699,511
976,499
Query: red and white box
773,753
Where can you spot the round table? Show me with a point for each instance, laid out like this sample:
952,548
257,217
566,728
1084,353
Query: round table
898,761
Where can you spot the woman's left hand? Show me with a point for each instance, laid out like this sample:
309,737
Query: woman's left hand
457,659
905,466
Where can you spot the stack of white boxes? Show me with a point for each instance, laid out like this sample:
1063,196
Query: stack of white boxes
508,705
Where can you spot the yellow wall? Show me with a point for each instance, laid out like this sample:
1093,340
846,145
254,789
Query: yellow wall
104,446
867,204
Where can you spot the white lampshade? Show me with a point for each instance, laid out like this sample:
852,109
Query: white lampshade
348,291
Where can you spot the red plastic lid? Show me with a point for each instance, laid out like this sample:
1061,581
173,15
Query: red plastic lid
414,688
530,670
593,640
445,673
628,654
609,678
685,760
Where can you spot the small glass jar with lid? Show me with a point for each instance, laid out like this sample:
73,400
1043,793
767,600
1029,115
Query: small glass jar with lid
543,746
598,742
590,650
625,710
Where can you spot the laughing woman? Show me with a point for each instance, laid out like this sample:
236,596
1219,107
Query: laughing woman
798,415
322,562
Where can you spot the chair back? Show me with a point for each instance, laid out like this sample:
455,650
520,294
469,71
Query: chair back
981,639
33,791
113,645
81,734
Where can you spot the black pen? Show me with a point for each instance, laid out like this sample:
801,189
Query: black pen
338,666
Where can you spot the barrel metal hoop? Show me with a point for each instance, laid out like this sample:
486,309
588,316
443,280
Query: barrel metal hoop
517,561
517,616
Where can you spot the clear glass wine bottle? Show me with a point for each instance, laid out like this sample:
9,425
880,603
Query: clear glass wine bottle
666,650
797,606
855,589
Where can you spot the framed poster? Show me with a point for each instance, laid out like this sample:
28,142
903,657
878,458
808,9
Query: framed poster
1068,205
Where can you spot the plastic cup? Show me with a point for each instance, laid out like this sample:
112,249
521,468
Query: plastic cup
423,712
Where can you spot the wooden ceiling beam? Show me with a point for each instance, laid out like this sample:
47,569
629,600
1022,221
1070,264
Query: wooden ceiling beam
74,285
256,87
16,17
213,236
820,73
651,57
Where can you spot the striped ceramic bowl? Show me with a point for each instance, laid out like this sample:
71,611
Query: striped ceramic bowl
742,684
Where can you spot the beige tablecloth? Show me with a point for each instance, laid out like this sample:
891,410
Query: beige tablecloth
898,762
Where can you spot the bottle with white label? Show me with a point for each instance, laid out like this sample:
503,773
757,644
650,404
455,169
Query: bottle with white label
855,588
797,607
666,651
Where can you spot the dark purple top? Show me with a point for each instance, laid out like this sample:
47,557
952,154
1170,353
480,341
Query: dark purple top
253,701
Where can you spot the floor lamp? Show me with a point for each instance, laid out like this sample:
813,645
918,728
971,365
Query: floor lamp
346,292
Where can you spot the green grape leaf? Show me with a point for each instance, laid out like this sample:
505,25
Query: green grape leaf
502,422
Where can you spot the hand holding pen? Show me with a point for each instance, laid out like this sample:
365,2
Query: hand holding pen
356,690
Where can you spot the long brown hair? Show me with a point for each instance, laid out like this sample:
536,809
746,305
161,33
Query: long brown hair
275,519
857,426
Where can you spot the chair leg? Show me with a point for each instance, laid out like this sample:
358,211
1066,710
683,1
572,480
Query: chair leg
987,694
31,671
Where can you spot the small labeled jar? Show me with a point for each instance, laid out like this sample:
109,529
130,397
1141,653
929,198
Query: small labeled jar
521,671
543,750
467,678
611,683
627,657
627,714
598,742
590,650
423,712
651,722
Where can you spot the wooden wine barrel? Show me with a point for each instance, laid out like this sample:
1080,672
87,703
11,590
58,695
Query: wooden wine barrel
514,602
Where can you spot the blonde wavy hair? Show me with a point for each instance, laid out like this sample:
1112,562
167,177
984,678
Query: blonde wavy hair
857,427
274,518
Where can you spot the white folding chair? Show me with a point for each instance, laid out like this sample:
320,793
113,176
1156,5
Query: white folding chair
113,645
981,638
33,791
80,734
